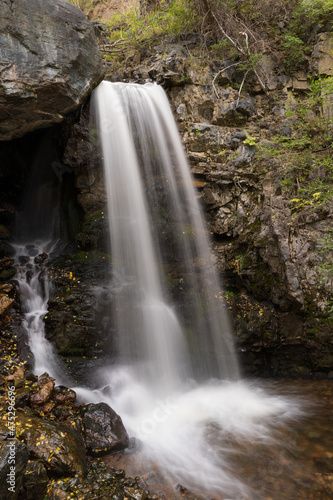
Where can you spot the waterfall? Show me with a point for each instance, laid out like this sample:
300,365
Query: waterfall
175,377
157,231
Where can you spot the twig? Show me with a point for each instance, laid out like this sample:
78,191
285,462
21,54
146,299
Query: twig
240,88
203,21
263,86
221,71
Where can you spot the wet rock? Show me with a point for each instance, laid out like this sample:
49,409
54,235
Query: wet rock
31,250
22,397
35,481
59,448
44,77
7,274
29,275
135,494
82,156
23,259
62,394
5,305
55,493
4,433
44,393
6,289
13,461
17,377
103,430
39,259
5,263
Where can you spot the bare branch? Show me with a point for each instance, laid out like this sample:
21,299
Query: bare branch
240,88
221,71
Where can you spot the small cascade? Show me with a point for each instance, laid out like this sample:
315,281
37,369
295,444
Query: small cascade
36,288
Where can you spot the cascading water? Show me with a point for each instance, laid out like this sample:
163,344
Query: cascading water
175,381
145,167
35,287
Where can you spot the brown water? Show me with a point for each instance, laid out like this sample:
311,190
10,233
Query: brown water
298,467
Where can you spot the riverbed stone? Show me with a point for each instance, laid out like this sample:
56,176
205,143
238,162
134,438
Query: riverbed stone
103,430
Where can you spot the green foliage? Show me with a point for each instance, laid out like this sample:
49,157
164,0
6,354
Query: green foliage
305,158
293,47
250,141
317,9
138,30
325,249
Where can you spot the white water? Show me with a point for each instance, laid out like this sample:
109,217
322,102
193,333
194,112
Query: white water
152,205
35,287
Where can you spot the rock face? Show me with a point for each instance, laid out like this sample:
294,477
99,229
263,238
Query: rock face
49,63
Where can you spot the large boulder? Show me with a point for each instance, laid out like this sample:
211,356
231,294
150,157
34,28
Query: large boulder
103,430
59,448
49,63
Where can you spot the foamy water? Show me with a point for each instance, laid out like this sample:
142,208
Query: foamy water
192,435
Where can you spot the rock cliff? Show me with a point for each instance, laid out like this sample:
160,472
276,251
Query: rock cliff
49,64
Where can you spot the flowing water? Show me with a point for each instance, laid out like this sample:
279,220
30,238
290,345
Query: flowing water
175,378
35,287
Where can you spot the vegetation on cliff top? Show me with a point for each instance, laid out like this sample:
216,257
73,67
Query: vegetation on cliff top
243,31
